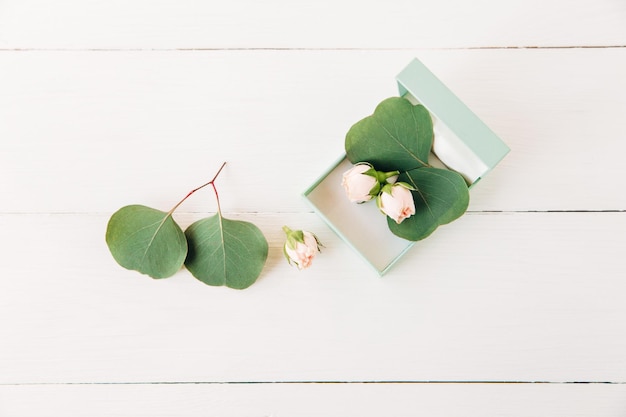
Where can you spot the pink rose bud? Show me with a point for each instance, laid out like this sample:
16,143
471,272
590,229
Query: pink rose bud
361,183
396,201
301,247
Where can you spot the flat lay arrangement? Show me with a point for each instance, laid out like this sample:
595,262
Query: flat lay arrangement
333,208
438,150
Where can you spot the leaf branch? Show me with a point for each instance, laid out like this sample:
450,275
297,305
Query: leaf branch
199,188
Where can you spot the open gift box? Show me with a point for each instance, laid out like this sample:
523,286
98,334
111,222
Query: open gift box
462,143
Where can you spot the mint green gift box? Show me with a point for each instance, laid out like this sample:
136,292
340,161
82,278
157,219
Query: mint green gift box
462,142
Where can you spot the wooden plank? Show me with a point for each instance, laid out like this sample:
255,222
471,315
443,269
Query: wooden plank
491,297
300,400
93,131
321,24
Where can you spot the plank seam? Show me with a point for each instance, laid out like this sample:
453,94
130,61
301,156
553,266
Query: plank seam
286,49
417,382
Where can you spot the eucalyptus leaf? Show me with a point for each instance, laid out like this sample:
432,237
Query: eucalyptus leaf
225,252
441,196
146,240
398,136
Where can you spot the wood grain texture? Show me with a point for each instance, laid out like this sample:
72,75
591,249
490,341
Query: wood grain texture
91,132
104,104
321,24
304,400
491,297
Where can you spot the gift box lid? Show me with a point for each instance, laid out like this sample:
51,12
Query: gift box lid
471,139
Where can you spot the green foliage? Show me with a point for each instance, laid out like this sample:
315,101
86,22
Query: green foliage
441,196
146,240
225,252
398,136
216,250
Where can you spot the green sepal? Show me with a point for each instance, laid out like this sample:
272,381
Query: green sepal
386,189
382,177
293,237
370,172
379,202
286,254
319,244
406,185
375,190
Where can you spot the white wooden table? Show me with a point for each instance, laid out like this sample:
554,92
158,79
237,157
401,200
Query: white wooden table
516,309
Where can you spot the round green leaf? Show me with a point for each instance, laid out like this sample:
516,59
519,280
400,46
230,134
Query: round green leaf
441,196
225,252
398,136
146,240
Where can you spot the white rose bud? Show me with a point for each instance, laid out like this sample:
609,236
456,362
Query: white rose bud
361,183
396,201
301,247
